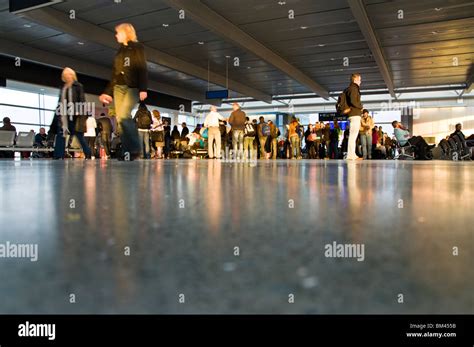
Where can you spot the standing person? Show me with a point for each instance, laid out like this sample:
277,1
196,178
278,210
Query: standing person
326,139
263,130
158,134
274,139
249,137
334,141
365,133
380,137
129,79
104,124
144,121
69,119
167,129
310,137
318,129
353,101
237,121
90,134
176,137
294,138
184,134
213,133
375,138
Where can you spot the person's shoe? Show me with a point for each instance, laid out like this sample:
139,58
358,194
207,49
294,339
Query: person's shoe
93,157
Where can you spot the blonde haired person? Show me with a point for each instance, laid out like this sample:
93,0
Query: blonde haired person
130,76
157,133
69,118
365,134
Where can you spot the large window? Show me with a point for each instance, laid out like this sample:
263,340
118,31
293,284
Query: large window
27,110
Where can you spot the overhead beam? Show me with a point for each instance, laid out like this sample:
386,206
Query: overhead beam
469,84
360,14
212,20
93,33
29,53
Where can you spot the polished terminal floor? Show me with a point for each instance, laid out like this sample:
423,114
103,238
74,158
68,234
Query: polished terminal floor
183,219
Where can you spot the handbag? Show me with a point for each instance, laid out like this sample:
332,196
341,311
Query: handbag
81,123
158,136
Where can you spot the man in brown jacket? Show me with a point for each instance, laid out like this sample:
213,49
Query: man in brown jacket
353,100
237,121
365,133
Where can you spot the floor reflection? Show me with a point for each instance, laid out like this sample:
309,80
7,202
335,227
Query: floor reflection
182,219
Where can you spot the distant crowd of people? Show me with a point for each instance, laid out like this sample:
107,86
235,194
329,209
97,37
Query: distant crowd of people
149,136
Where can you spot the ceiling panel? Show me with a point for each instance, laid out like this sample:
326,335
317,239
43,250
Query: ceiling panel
66,44
251,11
386,14
427,32
103,11
419,48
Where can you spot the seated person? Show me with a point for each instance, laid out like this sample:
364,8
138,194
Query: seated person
466,144
423,150
41,139
459,133
7,126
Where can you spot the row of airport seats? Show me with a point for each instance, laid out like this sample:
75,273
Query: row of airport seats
455,148
24,142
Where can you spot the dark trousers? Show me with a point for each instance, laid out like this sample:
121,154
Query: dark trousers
167,146
91,144
59,146
421,146
333,149
105,137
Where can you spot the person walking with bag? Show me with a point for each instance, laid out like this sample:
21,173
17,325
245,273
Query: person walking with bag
144,121
128,84
68,117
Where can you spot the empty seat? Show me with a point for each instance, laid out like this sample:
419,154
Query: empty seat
7,138
25,139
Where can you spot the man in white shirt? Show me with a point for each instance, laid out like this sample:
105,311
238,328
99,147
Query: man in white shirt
213,133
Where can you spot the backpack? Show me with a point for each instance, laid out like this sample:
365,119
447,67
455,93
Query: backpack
249,130
266,130
342,107
143,117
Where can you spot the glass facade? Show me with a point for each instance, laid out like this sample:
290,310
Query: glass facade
27,110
